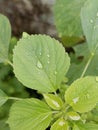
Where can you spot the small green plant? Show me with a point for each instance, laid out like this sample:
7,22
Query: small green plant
68,83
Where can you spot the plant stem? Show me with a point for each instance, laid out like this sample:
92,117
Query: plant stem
10,63
55,93
14,98
57,115
86,67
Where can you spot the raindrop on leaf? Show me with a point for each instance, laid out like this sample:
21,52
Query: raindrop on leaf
55,72
39,65
48,55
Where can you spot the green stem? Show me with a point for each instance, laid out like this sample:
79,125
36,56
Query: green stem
9,62
55,93
87,64
14,98
57,115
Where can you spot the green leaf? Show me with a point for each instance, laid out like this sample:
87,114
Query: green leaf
87,126
40,62
86,63
25,35
68,41
93,115
81,50
31,114
53,101
5,36
79,127
3,97
73,115
82,95
4,125
89,17
79,60
60,124
89,65
67,17
75,127
91,126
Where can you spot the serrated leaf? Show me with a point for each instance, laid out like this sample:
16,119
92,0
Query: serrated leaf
5,36
40,62
60,124
3,97
31,114
67,17
89,17
54,101
82,95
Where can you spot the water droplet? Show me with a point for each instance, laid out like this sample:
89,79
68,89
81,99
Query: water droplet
75,117
48,61
75,100
39,65
91,21
92,54
97,14
48,55
97,78
61,123
40,53
95,26
55,72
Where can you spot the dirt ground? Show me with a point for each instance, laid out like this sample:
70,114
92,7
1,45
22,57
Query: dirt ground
31,16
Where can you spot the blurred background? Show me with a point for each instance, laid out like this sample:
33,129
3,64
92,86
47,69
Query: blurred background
31,16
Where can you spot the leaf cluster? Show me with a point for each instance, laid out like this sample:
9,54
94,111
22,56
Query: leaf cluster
41,63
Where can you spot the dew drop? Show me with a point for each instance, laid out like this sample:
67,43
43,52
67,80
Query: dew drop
48,55
55,72
75,100
92,54
61,123
48,61
91,21
97,78
95,26
40,53
97,14
39,65
75,117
